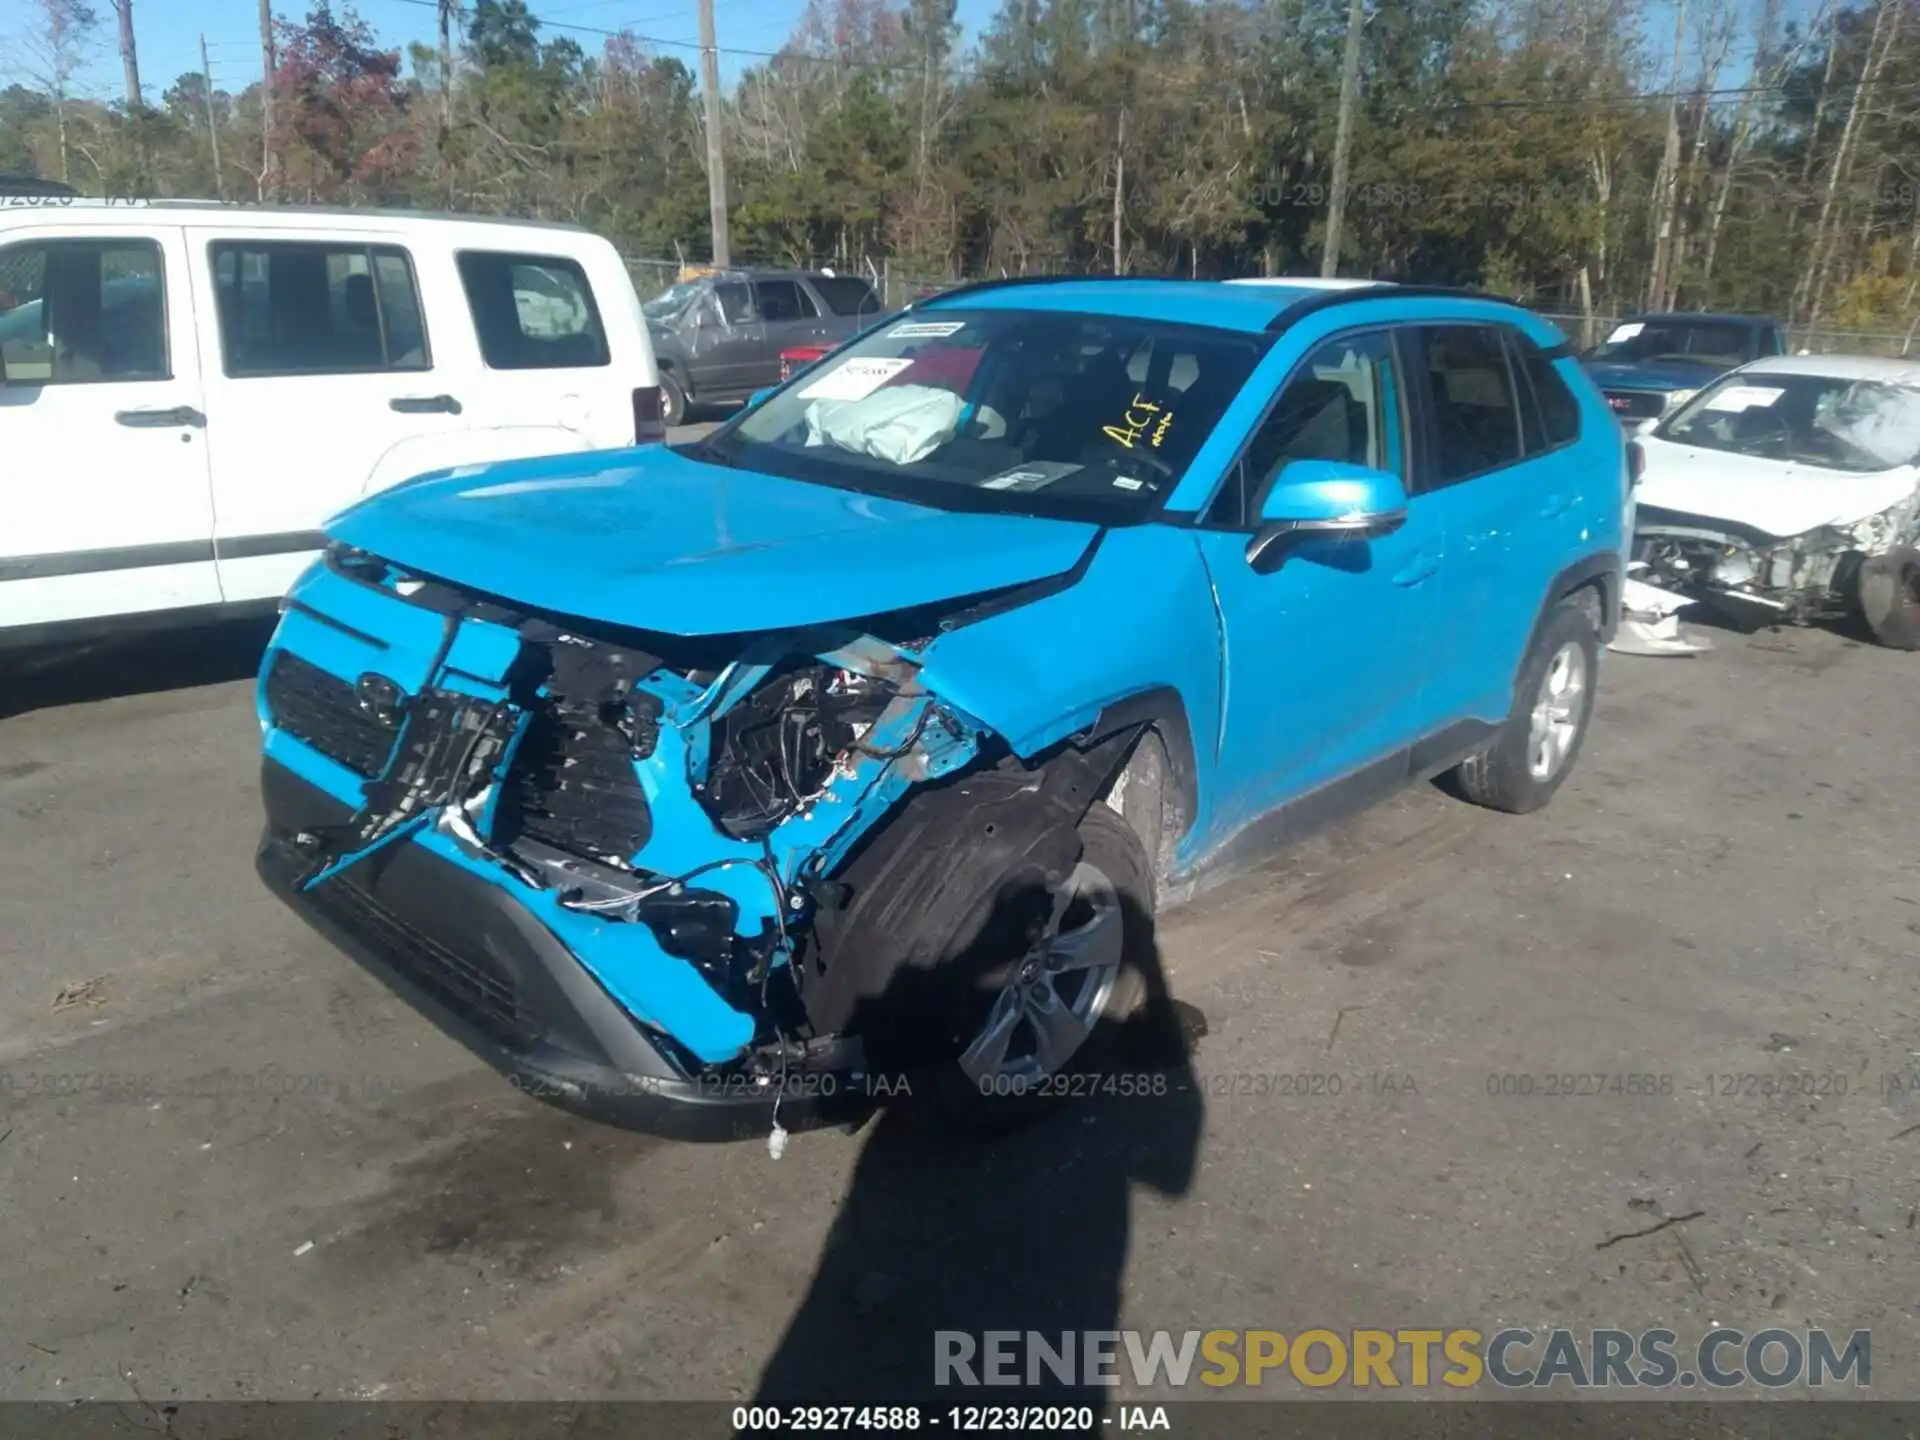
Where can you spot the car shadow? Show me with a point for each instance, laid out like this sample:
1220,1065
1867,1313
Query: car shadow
147,663
944,1236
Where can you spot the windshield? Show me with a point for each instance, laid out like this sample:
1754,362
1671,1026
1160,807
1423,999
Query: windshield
1704,343
1837,424
1035,412
671,301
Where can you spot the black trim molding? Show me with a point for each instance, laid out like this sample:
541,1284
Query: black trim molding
146,557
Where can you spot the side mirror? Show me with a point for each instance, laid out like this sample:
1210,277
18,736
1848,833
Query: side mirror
1324,499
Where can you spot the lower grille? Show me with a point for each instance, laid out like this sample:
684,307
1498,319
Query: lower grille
484,996
321,710
573,785
1636,404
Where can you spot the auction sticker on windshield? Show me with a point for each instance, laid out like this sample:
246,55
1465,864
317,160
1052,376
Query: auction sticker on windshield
926,329
854,379
1030,477
1625,332
1743,397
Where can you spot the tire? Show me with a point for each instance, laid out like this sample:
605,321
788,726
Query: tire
1520,771
961,1093
673,400
1889,597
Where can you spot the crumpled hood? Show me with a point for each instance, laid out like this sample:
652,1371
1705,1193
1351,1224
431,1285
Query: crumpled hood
1666,376
1777,497
651,539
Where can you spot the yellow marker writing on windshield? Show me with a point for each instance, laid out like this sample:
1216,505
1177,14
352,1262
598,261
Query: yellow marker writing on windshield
1130,428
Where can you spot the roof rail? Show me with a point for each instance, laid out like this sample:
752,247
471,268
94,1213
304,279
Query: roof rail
974,287
1327,299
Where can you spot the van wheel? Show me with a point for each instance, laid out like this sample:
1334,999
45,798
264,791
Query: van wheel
1535,750
673,400
1036,1023
1889,595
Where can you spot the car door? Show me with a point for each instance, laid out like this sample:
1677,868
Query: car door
105,507
791,318
1503,492
321,365
729,342
1326,657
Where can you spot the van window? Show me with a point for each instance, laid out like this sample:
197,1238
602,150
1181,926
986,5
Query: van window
532,312
74,312
292,307
783,300
1476,417
846,295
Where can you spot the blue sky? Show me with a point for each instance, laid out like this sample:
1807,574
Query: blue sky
168,33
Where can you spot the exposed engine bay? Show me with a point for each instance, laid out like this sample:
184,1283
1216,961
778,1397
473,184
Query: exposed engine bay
702,794
1798,578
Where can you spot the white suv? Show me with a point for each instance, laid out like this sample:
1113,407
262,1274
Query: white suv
188,390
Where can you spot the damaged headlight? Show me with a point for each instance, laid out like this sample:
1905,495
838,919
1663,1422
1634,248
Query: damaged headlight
776,751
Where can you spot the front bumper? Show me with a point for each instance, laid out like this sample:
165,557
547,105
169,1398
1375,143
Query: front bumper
483,968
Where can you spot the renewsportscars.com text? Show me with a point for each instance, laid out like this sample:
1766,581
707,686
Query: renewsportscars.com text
1512,1358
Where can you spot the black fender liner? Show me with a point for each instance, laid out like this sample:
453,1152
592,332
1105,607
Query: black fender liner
1603,571
903,899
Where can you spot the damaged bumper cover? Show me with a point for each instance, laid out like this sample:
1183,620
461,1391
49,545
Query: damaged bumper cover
596,865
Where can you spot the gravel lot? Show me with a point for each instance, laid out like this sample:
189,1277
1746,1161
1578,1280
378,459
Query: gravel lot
297,1188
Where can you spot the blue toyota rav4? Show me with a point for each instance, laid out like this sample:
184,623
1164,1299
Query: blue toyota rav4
865,735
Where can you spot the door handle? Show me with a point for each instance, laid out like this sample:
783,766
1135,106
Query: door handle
1420,568
424,405
159,419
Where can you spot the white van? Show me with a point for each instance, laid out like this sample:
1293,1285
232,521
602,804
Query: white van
189,390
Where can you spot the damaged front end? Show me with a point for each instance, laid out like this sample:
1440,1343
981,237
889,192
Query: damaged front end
1752,575
598,857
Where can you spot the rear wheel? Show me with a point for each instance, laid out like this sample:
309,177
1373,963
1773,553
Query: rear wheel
1889,595
1536,747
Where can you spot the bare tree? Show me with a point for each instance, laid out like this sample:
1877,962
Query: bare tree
54,54
1666,182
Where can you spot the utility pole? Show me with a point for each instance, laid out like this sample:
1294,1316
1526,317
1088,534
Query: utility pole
269,176
716,161
1343,138
129,58
130,68
447,8
213,125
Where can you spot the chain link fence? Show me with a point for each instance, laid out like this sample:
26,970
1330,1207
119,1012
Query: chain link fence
1800,339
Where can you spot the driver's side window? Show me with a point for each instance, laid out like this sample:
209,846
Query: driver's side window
1340,404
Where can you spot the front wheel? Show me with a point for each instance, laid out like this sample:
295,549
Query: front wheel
1536,747
1889,596
1030,1033
673,401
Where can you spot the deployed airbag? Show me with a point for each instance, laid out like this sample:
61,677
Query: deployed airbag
902,424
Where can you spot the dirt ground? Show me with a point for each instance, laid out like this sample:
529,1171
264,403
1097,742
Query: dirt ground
268,1178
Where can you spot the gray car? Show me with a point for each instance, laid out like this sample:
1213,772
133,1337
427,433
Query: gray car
718,338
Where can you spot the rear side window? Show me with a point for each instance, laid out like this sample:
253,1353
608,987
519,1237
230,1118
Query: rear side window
846,295
533,312
316,308
1476,415
77,312
1553,417
783,300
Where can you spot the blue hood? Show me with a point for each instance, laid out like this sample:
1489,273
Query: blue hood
651,539
1668,375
